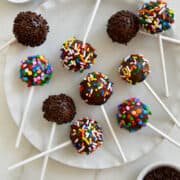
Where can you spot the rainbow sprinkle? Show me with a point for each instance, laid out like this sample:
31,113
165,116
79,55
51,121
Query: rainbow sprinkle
76,57
96,88
156,17
35,70
133,114
86,135
134,69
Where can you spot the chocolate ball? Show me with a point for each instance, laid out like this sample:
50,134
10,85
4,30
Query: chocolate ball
132,114
134,69
86,135
59,108
30,29
123,26
96,88
77,57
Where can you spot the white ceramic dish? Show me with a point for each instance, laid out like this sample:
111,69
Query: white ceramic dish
147,169
70,18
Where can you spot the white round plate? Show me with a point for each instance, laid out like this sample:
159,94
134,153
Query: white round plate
70,18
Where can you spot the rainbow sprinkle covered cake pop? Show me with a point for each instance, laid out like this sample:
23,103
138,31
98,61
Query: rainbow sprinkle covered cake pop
86,135
133,114
77,57
96,88
134,69
155,16
35,70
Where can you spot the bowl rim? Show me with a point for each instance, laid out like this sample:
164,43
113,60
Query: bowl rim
155,165
19,1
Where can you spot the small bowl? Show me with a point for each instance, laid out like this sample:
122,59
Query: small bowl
147,169
19,1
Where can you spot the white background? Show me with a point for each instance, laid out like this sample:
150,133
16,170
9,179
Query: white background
8,132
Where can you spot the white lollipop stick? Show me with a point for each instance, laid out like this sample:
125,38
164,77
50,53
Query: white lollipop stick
67,143
43,170
163,135
113,134
169,39
12,40
165,38
163,65
98,2
162,104
18,139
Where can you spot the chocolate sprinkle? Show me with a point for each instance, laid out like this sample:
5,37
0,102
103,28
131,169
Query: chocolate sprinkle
30,29
59,108
123,26
163,173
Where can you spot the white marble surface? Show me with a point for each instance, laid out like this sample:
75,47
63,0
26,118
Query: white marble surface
8,132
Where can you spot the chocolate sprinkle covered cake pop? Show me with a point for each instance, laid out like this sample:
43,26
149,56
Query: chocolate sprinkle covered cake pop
35,70
133,114
59,108
134,69
155,16
96,88
123,26
30,29
77,57
86,135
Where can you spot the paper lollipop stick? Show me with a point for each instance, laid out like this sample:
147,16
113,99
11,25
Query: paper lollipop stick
57,109
165,38
162,104
12,40
26,161
35,71
24,117
98,2
45,161
113,134
133,115
163,135
163,66
135,69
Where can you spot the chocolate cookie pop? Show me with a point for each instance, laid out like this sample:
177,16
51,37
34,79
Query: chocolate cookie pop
76,56
134,69
123,26
155,16
34,71
133,114
30,29
59,109
96,88
86,135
